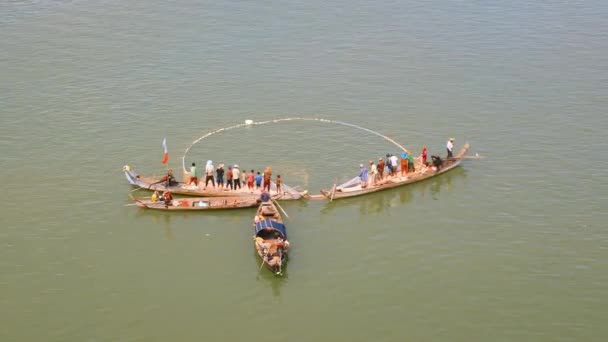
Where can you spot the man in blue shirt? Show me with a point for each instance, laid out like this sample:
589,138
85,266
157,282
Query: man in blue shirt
258,180
363,176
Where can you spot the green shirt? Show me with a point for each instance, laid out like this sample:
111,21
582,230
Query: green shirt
193,172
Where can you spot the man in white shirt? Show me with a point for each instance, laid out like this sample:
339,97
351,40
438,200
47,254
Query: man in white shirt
394,164
236,176
450,148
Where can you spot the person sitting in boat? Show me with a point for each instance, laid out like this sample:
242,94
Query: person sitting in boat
265,196
169,179
167,198
437,162
155,196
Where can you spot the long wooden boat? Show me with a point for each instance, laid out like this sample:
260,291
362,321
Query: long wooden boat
180,188
270,237
353,187
197,203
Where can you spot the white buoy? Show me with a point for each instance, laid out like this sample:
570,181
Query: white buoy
248,122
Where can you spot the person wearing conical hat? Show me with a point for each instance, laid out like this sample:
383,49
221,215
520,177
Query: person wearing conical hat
450,147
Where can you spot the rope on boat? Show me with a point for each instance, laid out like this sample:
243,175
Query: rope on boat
251,123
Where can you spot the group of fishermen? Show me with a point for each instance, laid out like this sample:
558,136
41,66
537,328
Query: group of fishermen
395,166
235,178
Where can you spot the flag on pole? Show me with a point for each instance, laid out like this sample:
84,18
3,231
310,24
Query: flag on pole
166,155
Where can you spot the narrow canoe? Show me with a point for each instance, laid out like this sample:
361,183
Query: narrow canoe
389,183
155,184
270,237
198,203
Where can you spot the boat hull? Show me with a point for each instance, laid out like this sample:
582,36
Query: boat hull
198,204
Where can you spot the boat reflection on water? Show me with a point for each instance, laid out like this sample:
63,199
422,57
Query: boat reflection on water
378,202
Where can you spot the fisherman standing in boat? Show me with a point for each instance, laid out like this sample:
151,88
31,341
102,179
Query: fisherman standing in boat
450,147
267,177
394,164
278,183
229,178
193,175
258,180
380,169
220,176
404,161
236,176
424,154
363,176
373,172
410,162
209,174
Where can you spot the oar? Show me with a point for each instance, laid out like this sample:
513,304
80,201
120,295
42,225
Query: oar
262,265
138,188
333,191
280,262
278,205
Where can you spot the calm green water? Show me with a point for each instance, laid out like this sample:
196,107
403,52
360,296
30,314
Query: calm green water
513,247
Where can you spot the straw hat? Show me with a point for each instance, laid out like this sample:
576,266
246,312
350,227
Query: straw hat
451,139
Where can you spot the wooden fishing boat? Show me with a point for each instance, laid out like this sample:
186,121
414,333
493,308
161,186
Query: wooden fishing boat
180,188
270,237
353,187
197,203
